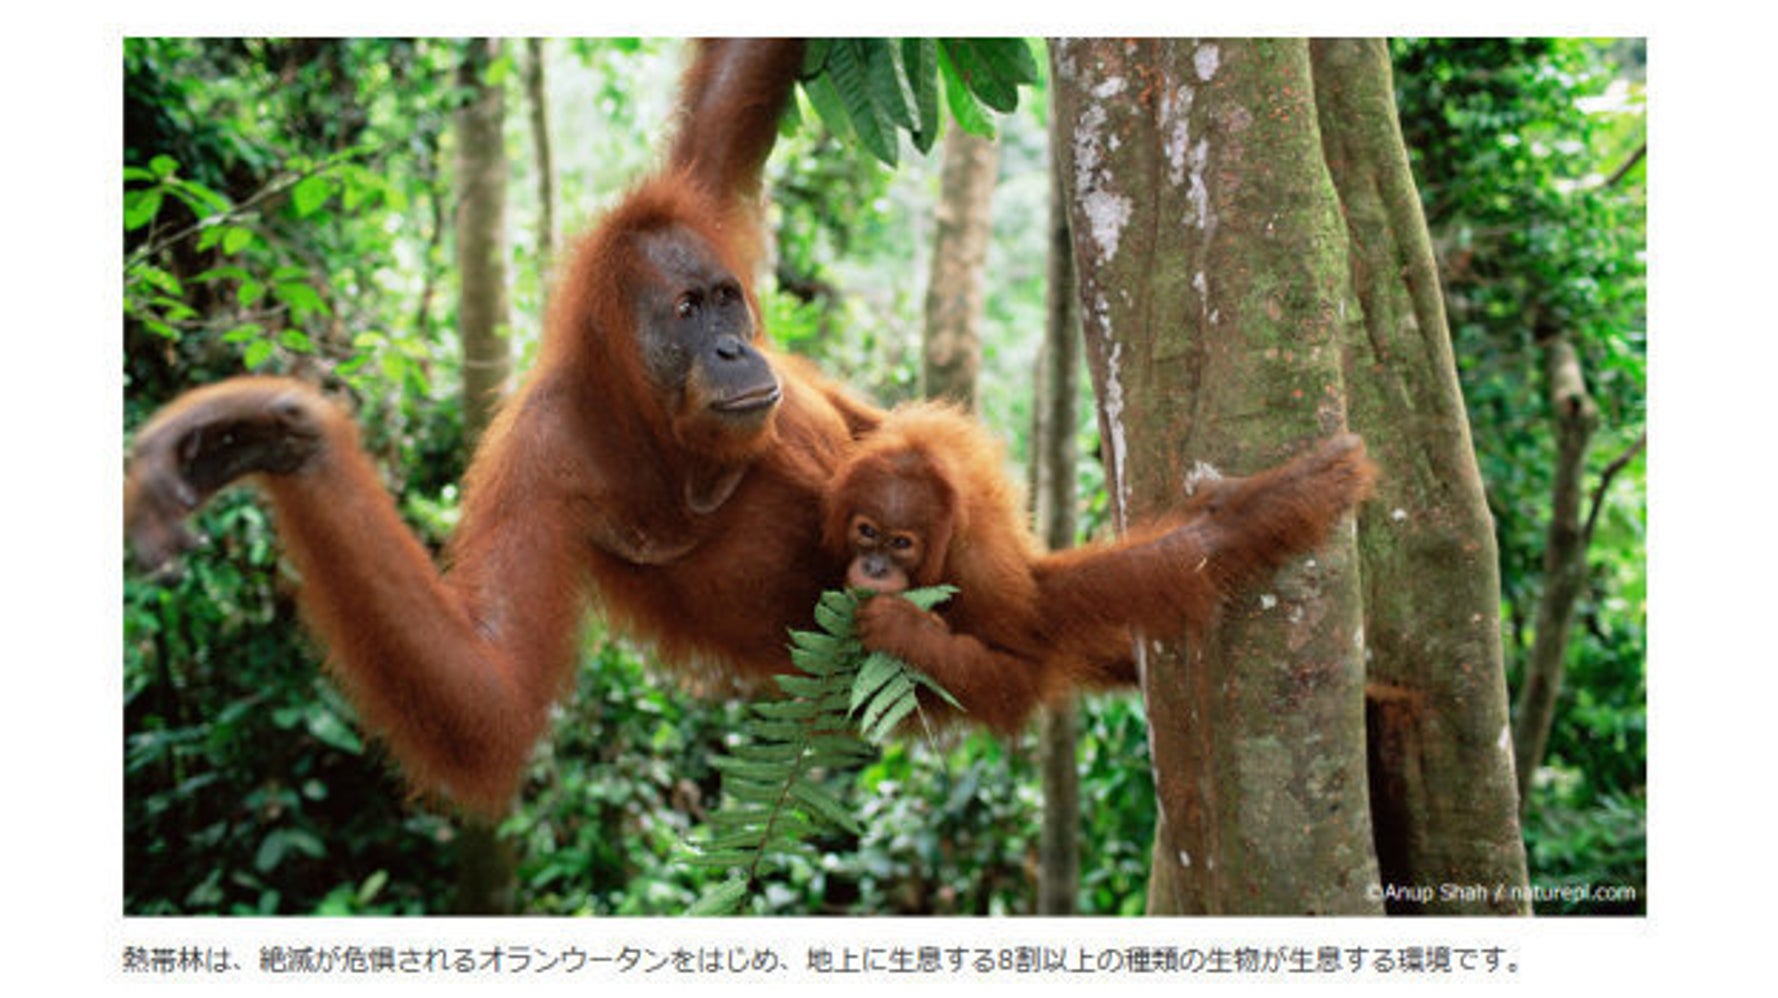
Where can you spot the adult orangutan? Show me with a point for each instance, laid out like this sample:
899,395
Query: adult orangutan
659,455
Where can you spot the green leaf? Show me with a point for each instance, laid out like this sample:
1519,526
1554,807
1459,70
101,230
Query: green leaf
829,106
163,166
786,710
841,750
930,596
257,353
826,807
835,622
846,67
159,279
729,765
968,111
817,643
724,899
886,723
815,56
994,68
310,193
883,77
327,728
806,687
235,239
718,859
919,62
814,663
303,300
876,672
897,690
372,886
173,309
140,207
203,200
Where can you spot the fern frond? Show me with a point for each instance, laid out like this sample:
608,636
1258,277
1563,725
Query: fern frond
876,672
774,797
930,596
725,899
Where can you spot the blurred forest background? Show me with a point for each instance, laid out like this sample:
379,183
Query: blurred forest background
289,207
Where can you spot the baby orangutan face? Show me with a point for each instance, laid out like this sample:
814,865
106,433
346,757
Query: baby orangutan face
884,559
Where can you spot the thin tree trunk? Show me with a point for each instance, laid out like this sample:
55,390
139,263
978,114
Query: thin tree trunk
954,300
481,238
486,865
1213,271
1054,453
538,103
1442,794
1564,557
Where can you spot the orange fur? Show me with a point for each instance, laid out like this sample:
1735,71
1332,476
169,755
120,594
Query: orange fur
693,523
1027,626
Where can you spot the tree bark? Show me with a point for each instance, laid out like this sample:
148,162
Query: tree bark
1442,790
1054,453
481,238
1213,278
1564,557
538,102
486,864
954,300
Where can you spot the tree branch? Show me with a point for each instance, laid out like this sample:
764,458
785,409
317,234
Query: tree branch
1628,165
1605,477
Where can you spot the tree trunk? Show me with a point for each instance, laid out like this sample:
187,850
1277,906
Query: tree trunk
538,102
1053,456
1213,280
1442,793
486,865
481,238
959,261
1564,557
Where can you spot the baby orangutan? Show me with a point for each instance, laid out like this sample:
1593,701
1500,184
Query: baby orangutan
924,500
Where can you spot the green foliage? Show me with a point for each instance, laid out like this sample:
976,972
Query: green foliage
246,786
1601,843
269,188
872,89
775,779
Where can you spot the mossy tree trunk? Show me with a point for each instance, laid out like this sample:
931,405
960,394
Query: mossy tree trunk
1254,275
1442,788
1214,287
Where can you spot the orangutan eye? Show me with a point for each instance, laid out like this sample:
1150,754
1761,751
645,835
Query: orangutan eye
867,532
686,306
901,542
